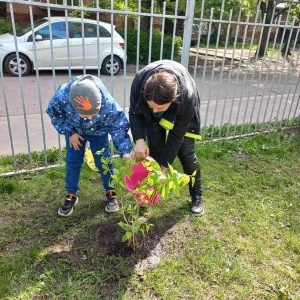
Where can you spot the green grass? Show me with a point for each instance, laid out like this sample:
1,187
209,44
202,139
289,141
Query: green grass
247,246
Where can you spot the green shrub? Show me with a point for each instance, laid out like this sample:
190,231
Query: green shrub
155,49
77,13
5,26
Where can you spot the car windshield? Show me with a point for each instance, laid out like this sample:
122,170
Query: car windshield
26,28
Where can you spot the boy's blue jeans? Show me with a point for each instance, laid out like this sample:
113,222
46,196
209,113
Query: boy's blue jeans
74,160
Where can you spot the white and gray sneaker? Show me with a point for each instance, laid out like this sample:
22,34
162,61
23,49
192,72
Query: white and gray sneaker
197,206
111,201
67,205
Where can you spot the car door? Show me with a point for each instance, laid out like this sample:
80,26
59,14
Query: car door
59,46
84,50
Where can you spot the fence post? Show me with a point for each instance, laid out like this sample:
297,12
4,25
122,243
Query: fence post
187,32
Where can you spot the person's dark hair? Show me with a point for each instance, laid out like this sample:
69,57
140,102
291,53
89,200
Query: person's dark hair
162,87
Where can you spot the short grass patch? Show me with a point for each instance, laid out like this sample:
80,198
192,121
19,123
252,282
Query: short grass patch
246,246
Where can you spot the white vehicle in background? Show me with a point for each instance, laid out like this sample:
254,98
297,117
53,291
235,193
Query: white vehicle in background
63,43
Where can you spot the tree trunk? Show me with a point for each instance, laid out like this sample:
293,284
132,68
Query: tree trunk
262,47
268,9
145,21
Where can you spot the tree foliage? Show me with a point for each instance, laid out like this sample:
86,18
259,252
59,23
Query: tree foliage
259,10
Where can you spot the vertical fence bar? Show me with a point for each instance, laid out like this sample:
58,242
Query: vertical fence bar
38,87
245,76
162,31
253,76
268,73
237,76
203,78
8,120
214,64
189,16
231,69
288,82
82,35
259,80
150,33
125,56
222,72
198,42
138,37
68,41
98,39
279,82
112,47
280,102
174,30
272,83
21,85
296,90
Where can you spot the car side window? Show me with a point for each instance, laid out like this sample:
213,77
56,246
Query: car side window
103,32
90,30
77,30
58,31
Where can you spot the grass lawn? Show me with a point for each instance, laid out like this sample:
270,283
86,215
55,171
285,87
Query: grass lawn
246,246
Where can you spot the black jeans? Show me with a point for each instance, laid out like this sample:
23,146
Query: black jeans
156,137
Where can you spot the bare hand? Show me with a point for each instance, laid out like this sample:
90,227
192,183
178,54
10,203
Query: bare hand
164,169
141,149
75,141
127,157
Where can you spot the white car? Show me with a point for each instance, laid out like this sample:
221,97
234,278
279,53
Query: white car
63,43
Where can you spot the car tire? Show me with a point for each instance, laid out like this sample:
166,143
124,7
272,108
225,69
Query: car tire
11,65
107,65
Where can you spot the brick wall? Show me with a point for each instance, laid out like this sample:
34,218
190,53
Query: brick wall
22,15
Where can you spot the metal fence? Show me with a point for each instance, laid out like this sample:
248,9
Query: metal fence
242,91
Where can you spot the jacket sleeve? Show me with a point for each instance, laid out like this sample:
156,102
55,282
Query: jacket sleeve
118,126
57,113
137,120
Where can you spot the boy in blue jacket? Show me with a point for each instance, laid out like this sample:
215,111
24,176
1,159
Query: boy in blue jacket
84,111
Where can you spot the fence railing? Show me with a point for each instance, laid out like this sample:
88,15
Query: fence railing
244,90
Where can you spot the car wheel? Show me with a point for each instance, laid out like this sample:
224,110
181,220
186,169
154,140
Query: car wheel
11,65
111,66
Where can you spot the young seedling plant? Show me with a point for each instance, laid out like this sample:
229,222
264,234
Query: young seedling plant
166,185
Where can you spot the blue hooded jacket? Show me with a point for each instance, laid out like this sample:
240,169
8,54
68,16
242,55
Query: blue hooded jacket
110,119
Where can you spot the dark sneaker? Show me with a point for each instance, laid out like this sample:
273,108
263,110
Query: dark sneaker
111,201
66,208
197,206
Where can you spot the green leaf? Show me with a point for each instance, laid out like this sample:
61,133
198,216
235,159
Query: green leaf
125,226
136,227
127,236
171,169
163,192
171,185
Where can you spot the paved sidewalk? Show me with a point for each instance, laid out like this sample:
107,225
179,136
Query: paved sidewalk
247,58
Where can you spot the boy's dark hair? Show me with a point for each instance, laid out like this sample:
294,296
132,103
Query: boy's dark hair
162,87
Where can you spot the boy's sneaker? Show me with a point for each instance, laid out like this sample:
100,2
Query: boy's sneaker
111,201
197,206
66,208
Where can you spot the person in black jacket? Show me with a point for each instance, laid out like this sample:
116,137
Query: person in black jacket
164,116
